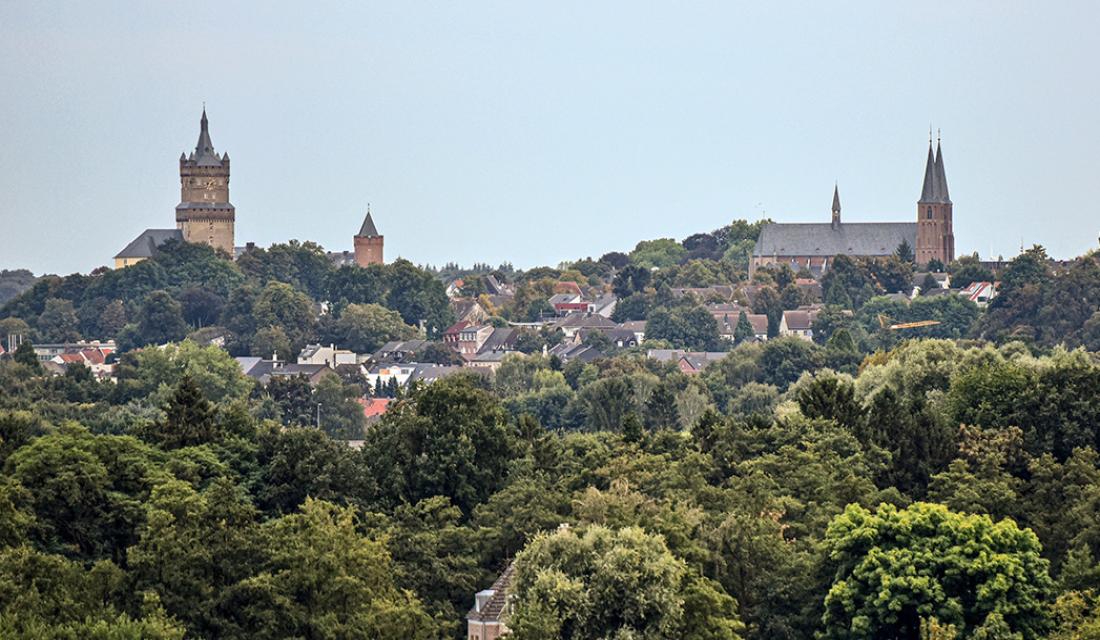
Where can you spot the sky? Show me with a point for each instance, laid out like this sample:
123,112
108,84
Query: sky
535,133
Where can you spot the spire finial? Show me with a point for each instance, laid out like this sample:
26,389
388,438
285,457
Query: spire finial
937,136
929,133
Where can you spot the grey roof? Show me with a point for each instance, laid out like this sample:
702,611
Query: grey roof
494,609
146,244
941,176
501,339
562,298
584,319
368,230
934,189
204,148
836,199
823,239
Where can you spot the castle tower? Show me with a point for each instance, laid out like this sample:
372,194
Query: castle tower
368,243
204,213
935,237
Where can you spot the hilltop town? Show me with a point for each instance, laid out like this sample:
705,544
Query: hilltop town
472,452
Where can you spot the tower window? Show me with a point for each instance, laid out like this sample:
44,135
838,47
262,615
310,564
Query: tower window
929,214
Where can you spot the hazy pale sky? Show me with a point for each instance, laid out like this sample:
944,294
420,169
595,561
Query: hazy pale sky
541,132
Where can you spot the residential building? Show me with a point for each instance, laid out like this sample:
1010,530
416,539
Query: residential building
399,350
798,322
452,333
689,362
569,351
814,245
574,322
471,338
329,356
263,370
468,310
47,351
979,293
488,619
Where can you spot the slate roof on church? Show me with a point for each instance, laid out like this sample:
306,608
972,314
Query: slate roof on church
145,245
823,239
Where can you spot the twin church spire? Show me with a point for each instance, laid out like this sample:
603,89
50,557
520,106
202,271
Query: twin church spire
935,179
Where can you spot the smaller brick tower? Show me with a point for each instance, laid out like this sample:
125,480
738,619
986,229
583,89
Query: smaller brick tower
368,243
935,237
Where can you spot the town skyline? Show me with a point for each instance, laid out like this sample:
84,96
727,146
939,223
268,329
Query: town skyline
637,141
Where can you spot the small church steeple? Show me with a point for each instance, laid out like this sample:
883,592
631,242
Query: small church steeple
836,206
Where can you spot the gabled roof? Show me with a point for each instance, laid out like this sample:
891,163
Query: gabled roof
368,230
799,320
493,610
826,240
146,244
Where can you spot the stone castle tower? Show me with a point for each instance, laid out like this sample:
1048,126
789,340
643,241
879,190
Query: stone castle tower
935,238
368,243
204,213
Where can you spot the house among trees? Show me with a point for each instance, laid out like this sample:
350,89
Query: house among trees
488,619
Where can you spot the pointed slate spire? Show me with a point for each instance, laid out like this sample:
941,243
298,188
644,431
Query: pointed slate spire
368,230
928,193
941,177
836,205
204,149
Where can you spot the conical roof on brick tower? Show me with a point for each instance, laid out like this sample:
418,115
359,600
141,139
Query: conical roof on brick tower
928,193
204,148
941,177
368,230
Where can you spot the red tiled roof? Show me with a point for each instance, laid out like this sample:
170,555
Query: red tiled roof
374,407
456,327
72,358
93,356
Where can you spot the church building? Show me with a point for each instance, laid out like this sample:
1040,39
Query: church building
813,245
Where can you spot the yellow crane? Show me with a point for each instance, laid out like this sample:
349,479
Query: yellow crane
886,324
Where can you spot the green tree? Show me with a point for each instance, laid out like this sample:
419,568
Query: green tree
322,579
340,412
603,583
25,355
58,322
160,320
659,253
190,419
691,328
848,283
365,327
743,331
281,305
904,252
893,568
452,440
271,342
